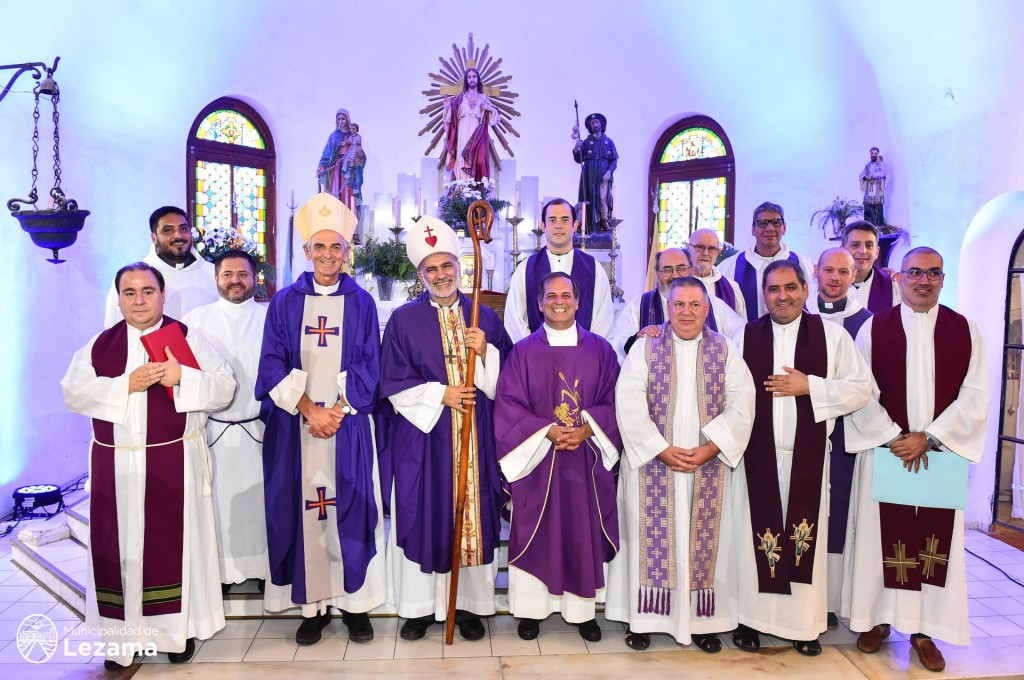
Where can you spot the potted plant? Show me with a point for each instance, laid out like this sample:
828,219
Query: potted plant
386,261
835,217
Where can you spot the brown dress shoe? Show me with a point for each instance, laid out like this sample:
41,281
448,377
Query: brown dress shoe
928,653
871,641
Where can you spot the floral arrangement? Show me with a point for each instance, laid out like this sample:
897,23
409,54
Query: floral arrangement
214,241
457,196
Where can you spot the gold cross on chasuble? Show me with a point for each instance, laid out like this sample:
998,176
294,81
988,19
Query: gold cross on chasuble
900,562
931,556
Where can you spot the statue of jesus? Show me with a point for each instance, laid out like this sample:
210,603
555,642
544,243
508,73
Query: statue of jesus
467,117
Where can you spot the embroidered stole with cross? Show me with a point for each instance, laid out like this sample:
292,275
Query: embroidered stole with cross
916,540
456,355
657,481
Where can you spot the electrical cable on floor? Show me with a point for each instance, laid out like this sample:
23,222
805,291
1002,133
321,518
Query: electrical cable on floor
996,567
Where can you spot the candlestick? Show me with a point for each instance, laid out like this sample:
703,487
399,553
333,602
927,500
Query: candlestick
419,202
517,205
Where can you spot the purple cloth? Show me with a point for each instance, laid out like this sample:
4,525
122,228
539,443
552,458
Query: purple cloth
880,295
356,507
745,276
583,268
725,292
420,464
564,518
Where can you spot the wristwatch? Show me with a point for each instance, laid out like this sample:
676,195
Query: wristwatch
933,443
348,410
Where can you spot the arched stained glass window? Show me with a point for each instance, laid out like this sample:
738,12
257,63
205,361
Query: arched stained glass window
231,178
692,183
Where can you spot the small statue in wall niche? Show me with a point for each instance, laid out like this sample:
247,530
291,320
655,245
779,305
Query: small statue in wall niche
343,154
599,159
872,182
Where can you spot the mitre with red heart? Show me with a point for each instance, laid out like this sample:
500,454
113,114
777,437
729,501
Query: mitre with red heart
429,236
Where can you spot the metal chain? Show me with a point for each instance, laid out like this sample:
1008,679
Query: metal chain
56,145
35,149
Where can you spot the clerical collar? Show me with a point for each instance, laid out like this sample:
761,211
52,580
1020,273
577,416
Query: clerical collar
786,326
190,260
325,290
564,338
559,258
867,279
831,307
908,311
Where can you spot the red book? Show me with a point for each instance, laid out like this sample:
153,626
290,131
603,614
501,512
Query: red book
169,336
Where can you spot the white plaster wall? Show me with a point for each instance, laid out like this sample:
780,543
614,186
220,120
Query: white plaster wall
803,89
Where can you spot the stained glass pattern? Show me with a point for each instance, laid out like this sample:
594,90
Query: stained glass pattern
251,204
691,144
213,195
230,127
223,189
688,205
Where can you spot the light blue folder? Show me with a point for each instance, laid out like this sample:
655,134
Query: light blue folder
942,485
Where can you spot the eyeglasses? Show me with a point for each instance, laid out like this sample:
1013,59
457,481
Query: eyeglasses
678,269
915,274
713,250
763,224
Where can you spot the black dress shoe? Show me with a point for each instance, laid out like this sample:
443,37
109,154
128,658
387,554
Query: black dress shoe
529,629
309,630
833,621
710,642
261,584
359,627
638,641
590,631
111,665
807,647
225,588
746,638
471,628
185,656
415,629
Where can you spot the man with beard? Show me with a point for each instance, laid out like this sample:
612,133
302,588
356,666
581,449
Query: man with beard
522,315
930,403
747,267
188,277
704,248
466,120
318,381
554,422
599,158
234,325
835,273
873,287
423,375
872,183
807,373
645,314
676,573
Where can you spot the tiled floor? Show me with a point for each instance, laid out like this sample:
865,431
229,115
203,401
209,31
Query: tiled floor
259,648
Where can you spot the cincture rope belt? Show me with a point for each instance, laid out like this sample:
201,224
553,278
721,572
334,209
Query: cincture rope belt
205,454
229,423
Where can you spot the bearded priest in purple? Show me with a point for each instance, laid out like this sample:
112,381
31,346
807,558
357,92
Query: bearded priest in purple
685,405
318,379
424,361
554,420
807,372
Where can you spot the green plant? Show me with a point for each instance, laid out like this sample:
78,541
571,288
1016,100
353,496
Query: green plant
836,215
384,258
457,196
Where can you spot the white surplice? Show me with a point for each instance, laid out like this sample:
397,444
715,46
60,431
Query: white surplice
802,614
711,279
938,612
759,262
236,331
186,288
202,612
627,324
413,592
730,431
528,596
516,321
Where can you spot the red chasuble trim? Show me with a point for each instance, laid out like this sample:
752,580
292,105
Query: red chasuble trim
916,540
163,541
783,557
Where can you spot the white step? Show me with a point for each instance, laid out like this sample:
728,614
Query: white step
60,567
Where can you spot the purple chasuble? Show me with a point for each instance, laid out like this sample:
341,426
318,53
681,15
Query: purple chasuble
782,557
746,277
163,540
880,295
421,464
285,499
564,525
917,536
583,268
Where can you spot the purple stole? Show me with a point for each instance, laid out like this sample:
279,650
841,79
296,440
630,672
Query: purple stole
657,481
652,310
583,268
841,463
725,292
908,531
163,541
746,277
880,295
774,570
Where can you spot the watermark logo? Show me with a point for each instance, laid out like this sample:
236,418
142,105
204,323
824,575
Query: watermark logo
37,638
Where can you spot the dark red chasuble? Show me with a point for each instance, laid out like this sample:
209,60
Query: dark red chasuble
785,550
916,540
163,542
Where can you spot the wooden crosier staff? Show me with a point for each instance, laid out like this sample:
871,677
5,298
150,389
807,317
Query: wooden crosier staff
479,219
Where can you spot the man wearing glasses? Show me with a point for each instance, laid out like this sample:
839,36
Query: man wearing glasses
929,405
645,314
704,248
747,267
